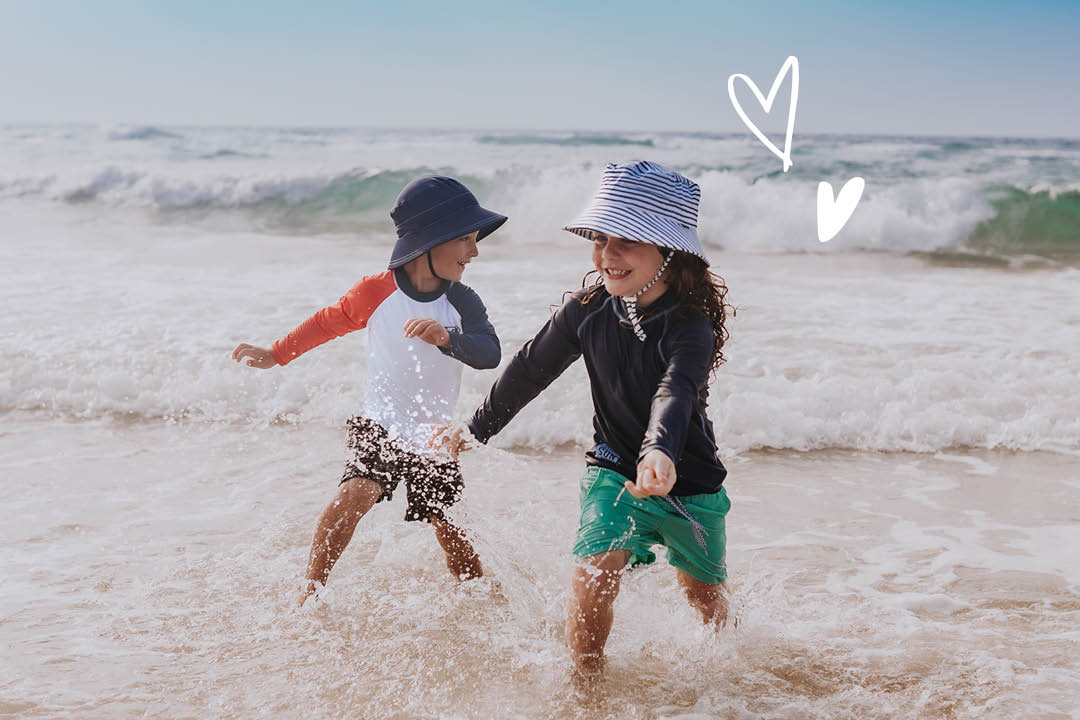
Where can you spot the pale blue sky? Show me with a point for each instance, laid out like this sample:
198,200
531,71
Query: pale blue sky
955,68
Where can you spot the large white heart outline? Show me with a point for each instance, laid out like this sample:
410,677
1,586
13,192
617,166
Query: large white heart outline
832,215
793,63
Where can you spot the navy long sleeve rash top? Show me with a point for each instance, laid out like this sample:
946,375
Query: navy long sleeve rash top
645,395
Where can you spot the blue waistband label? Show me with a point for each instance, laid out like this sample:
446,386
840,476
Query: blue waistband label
603,452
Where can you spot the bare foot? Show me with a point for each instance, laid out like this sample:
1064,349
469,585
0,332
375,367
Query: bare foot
587,672
307,591
468,571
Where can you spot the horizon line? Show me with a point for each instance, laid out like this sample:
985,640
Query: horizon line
507,129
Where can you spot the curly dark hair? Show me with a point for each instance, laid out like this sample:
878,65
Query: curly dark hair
700,289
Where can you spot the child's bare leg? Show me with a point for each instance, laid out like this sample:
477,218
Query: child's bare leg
709,600
589,618
461,558
335,529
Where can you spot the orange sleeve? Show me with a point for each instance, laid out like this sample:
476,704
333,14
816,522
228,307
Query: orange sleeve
352,312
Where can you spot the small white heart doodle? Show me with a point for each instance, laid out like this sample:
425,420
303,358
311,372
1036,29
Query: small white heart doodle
832,215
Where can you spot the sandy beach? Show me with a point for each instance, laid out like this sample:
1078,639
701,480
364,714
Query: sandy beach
150,567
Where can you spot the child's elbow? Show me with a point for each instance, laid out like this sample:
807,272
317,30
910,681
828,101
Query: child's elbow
489,363
490,360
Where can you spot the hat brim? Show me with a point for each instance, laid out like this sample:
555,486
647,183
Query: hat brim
625,221
469,219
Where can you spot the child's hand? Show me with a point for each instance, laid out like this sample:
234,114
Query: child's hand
443,436
428,330
257,357
655,475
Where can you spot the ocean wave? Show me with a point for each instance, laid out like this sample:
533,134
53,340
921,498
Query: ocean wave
774,215
348,192
1019,401
850,351
945,149
576,139
1042,223
953,219
227,153
763,422
143,132
106,181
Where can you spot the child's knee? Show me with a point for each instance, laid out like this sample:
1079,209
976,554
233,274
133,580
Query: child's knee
358,491
597,579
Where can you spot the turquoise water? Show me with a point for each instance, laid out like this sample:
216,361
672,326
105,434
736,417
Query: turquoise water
973,198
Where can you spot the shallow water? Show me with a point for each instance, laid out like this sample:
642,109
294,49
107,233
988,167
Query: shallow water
902,433
110,316
150,569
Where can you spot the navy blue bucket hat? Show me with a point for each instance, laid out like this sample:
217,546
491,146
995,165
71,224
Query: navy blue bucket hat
432,210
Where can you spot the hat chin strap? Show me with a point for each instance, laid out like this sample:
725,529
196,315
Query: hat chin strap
432,267
631,302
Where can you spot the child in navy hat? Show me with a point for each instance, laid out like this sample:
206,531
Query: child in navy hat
422,324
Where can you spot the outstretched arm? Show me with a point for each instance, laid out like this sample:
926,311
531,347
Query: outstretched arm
257,357
532,369
350,313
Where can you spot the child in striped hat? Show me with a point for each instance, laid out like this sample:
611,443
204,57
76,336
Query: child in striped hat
651,331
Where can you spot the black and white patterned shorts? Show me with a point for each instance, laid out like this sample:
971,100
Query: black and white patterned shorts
431,486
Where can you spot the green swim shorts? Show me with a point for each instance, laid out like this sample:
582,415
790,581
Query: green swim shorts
614,521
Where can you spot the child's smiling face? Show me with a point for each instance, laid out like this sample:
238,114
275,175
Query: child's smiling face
450,258
626,265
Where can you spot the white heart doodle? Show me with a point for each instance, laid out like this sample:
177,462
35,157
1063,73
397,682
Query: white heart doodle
832,215
793,63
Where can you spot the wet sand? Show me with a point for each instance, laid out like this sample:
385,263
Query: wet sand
149,570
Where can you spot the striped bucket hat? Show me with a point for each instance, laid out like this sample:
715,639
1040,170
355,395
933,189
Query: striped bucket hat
646,202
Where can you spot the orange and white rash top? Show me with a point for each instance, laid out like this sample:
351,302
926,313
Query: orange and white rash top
411,385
